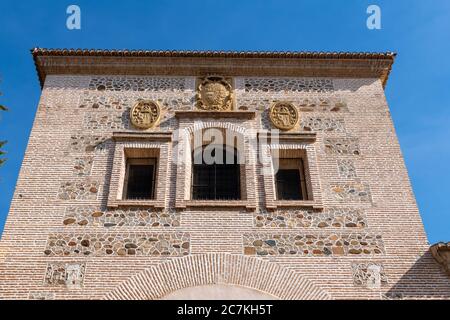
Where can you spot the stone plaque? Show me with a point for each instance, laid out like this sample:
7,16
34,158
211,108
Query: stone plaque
145,114
370,275
214,93
67,274
283,115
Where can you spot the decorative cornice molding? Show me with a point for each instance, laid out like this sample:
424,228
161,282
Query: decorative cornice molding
201,63
211,53
216,114
288,136
151,136
441,253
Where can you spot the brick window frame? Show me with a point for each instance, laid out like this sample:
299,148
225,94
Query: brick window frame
155,145
302,145
236,121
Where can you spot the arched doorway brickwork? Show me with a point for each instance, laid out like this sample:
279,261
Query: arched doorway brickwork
217,268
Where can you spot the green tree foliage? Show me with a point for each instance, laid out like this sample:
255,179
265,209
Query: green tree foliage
2,160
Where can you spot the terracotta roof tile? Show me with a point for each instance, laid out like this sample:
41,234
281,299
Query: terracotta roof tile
385,57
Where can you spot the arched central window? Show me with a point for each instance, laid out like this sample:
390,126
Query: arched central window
215,173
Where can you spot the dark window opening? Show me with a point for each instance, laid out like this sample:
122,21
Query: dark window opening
290,180
217,181
140,183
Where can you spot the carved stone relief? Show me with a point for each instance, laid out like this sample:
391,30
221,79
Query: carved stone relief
283,115
68,274
370,275
214,93
145,114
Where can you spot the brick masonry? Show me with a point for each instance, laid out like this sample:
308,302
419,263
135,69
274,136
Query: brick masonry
67,238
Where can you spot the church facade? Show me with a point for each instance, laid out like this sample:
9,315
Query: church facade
179,175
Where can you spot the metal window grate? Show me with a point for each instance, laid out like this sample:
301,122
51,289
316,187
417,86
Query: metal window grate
217,181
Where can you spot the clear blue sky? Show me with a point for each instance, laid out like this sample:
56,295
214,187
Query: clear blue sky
418,90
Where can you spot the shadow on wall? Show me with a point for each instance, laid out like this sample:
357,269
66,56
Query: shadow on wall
425,280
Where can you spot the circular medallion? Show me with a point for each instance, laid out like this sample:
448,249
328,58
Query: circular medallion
283,115
145,114
214,93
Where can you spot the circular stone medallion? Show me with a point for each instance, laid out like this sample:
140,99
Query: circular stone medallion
145,114
283,115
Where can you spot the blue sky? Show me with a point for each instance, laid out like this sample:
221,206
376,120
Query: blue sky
418,90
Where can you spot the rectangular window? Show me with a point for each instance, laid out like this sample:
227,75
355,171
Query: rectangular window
290,180
140,179
219,181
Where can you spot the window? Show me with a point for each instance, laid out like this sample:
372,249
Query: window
140,179
219,180
290,180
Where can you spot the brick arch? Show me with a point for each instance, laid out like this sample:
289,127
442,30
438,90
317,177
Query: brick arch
217,124
217,268
245,153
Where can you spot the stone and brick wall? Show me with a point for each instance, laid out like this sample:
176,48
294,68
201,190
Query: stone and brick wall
64,240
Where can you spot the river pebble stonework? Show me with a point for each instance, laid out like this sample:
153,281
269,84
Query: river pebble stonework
87,143
346,169
342,146
322,104
109,244
312,245
120,103
133,217
104,121
330,218
257,102
78,190
83,166
351,192
317,124
131,83
288,85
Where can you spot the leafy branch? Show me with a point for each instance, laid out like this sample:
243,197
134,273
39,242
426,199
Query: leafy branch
2,160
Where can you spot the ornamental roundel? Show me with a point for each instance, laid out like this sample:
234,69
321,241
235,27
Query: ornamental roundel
145,114
283,115
214,93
